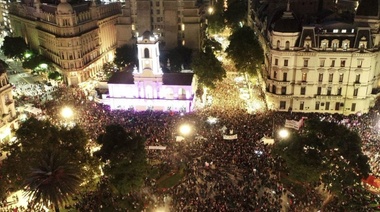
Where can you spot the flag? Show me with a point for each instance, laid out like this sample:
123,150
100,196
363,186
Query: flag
230,137
293,124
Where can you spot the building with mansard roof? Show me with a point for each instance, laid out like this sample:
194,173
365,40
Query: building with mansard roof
329,66
147,87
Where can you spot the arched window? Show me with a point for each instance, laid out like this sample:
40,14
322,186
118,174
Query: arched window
278,44
287,45
146,53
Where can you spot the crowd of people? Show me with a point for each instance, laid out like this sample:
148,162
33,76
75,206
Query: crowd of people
238,174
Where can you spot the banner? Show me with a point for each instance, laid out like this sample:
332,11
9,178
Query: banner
293,124
230,137
157,147
179,138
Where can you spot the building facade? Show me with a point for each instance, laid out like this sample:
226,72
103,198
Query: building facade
8,120
147,87
78,39
176,22
329,67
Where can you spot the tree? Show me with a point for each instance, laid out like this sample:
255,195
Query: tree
180,58
208,68
14,47
125,158
245,50
53,181
35,62
325,152
34,139
236,13
215,18
125,55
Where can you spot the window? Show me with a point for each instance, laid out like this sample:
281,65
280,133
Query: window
302,104
339,91
284,76
332,63
353,106
335,46
303,90
317,105
157,3
360,63
282,104
274,74
357,78
342,63
324,46
328,91
322,62
320,77
356,90
158,12
305,62
283,90
337,105
274,89
287,45
327,106
319,90
146,53
276,62
304,76
278,44
285,62
341,77
331,77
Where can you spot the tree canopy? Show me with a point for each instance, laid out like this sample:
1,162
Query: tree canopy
208,68
245,50
236,13
180,58
125,158
215,18
14,47
125,55
35,140
325,151
34,62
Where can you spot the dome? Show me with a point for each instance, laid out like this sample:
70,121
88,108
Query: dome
287,23
147,35
64,8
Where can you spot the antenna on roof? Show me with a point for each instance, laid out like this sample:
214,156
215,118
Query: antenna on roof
288,6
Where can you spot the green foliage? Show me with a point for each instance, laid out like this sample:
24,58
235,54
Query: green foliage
4,65
236,12
245,50
34,62
125,158
125,55
180,57
54,75
14,47
208,68
325,151
37,138
215,20
54,180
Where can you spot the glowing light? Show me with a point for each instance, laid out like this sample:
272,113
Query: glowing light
212,120
185,129
283,133
67,112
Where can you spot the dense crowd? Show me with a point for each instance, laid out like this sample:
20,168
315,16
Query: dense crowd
221,174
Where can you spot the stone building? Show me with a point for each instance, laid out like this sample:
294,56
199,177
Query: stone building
8,119
330,66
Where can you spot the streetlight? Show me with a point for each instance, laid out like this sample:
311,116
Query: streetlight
67,112
185,129
283,133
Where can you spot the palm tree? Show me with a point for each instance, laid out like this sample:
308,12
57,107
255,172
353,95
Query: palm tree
53,181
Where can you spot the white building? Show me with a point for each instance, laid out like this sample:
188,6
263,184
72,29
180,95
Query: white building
147,87
330,67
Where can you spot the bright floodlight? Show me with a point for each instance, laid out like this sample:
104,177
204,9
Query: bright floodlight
185,129
67,112
283,133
